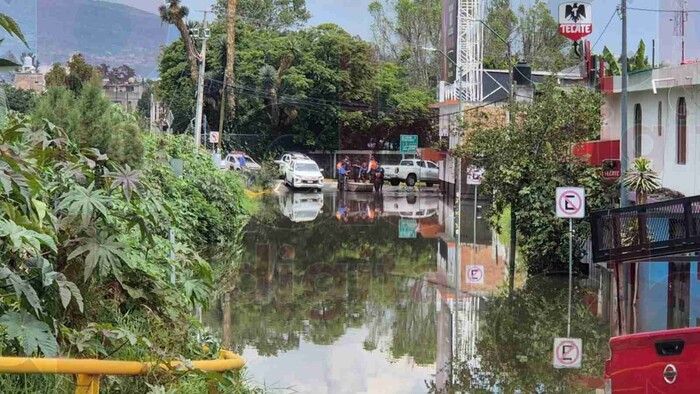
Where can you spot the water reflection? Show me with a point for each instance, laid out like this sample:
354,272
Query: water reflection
357,292
330,282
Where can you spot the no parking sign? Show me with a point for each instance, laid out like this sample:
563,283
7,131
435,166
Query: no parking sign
571,202
475,275
568,352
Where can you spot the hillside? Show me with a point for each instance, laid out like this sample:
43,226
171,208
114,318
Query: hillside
104,32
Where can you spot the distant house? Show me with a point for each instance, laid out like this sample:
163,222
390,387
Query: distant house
125,94
28,76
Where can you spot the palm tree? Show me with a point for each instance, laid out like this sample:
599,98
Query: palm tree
175,14
642,179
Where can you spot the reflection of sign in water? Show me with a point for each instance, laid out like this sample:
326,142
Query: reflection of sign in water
567,352
407,228
475,275
571,202
409,143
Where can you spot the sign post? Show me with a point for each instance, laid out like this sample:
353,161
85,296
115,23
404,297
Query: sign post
575,20
409,143
571,204
474,177
568,353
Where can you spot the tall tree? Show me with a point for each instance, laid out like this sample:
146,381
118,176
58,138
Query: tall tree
541,44
228,92
502,19
175,14
56,76
402,28
278,15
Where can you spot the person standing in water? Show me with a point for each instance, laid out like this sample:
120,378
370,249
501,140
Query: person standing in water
378,178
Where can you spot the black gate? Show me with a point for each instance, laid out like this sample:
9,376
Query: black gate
646,231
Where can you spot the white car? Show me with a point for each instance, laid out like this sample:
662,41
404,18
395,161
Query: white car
303,174
284,161
232,162
412,171
301,207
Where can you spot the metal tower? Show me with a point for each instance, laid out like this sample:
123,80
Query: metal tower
470,51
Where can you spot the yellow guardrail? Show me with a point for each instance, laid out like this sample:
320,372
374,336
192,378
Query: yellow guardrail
89,371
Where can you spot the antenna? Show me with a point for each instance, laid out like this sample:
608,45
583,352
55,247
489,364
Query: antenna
680,20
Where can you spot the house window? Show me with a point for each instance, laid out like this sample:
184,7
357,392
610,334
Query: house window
637,130
681,131
660,120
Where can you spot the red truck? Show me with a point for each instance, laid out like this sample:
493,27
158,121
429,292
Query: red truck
654,363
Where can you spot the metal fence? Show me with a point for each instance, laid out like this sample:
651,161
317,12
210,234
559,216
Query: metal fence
646,231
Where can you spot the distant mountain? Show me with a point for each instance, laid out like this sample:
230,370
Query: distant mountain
104,32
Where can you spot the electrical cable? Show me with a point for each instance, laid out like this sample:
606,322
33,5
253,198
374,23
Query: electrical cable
605,29
661,10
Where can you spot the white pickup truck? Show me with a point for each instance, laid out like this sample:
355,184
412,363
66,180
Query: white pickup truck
411,171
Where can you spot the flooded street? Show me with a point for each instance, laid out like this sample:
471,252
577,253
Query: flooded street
354,293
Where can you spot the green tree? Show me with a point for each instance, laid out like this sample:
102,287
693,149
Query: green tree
638,62
401,29
56,76
526,161
500,17
91,120
278,15
19,100
80,73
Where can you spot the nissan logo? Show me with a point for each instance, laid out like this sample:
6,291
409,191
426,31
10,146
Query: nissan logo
670,374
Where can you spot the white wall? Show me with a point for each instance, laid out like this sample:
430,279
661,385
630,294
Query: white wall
661,149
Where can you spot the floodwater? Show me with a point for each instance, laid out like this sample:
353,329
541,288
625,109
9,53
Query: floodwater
357,293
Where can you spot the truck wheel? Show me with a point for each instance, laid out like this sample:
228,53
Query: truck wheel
395,182
410,180
429,184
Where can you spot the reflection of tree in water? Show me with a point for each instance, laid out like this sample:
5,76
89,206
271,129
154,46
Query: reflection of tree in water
515,343
339,278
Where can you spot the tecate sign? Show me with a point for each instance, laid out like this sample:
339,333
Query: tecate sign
575,20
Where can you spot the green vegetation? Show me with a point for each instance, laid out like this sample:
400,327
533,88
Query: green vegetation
312,88
638,62
19,100
527,161
534,30
515,343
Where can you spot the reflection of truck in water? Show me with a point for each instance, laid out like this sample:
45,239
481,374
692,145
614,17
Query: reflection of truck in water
301,207
411,206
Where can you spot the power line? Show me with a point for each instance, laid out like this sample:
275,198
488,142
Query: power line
660,10
606,28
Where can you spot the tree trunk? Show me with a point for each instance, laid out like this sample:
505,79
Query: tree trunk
513,247
228,92
192,54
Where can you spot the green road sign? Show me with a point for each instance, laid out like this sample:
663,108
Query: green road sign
407,228
409,143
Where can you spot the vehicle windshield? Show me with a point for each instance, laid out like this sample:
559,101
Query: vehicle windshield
306,167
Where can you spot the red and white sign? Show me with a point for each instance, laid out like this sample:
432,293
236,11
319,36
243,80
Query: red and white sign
213,137
575,20
568,352
612,169
475,275
571,202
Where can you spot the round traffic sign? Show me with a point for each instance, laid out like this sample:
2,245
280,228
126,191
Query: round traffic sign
570,202
568,352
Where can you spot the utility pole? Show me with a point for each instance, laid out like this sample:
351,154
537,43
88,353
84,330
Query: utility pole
513,216
623,103
228,103
458,181
203,34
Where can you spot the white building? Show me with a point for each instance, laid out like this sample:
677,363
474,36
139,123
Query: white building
663,122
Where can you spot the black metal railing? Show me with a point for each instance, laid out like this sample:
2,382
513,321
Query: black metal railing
646,231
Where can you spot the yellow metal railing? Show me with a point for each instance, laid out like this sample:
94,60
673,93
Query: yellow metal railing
89,371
